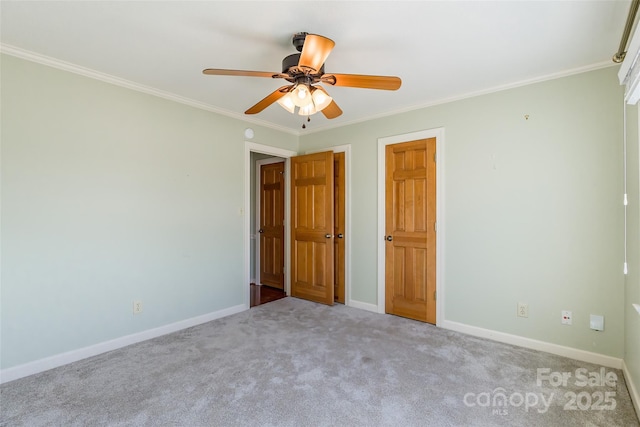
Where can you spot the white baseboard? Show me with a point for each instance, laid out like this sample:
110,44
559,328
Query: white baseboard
51,362
363,305
632,387
573,353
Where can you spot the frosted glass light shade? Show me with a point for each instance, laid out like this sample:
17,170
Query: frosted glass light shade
321,99
286,102
301,95
307,110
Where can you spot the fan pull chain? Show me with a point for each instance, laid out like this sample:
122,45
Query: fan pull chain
308,120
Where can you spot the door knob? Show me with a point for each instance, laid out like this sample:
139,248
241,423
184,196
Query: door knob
328,236
261,231
340,236
389,238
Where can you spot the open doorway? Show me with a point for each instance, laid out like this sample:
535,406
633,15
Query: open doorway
256,152
253,153
268,222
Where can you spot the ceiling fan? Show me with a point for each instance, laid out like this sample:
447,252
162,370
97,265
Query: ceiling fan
304,71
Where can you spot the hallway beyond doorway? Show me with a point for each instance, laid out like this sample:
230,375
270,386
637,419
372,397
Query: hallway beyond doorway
264,294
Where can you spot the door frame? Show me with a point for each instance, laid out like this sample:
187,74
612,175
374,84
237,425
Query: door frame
250,147
437,133
346,149
258,192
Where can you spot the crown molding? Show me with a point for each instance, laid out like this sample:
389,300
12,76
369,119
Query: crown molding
107,78
87,72
553,76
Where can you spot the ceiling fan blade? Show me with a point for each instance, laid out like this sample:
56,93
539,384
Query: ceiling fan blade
363,81
315,51
332,110
269,99
223,72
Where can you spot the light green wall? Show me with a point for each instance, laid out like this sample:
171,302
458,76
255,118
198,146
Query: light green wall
632,283
542,227
110,195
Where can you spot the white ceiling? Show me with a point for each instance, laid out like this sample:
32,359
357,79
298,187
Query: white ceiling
441,49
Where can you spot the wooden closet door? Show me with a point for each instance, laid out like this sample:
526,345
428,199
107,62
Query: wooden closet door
312,251
410,206
272,225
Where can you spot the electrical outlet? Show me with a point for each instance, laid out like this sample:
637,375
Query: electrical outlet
523,309
566,317
137,307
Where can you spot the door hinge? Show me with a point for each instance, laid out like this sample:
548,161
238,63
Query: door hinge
435,295
435,226
625,201
435,157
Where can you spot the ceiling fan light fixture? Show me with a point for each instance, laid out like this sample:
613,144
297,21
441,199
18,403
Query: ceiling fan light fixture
308,99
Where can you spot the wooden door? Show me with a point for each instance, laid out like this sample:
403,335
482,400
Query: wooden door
339,226
272,225
312,247
410,230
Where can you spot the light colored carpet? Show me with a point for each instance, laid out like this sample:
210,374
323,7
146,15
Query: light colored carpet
296,363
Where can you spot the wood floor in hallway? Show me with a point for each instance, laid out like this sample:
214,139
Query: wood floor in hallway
264,294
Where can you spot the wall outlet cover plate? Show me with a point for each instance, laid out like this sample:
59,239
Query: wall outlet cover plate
523,309
596,322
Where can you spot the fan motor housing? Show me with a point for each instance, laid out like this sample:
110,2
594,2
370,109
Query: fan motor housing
290,62
290,65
